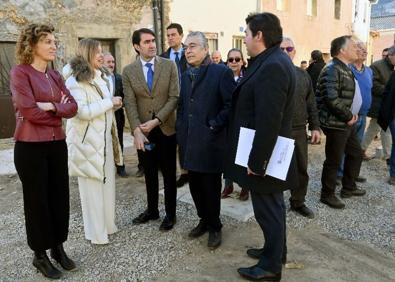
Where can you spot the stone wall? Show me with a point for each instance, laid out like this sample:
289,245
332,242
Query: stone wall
73,19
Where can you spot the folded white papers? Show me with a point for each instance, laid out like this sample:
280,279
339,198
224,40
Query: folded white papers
280,159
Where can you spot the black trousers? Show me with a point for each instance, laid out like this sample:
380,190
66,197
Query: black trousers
163,156
120,119
43,170
269,210
140,159
298,194
339,142
206,193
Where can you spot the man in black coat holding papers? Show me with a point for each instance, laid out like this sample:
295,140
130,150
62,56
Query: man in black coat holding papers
263,101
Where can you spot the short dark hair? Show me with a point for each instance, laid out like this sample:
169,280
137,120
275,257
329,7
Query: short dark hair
176,26
316,55
269,25
136,37
385,50
391,50
303,62
339,43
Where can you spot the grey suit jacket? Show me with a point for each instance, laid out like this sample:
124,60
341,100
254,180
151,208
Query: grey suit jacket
141,105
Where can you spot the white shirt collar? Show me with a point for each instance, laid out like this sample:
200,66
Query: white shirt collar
172,50
152,61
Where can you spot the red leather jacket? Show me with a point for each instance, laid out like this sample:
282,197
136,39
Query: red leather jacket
29,86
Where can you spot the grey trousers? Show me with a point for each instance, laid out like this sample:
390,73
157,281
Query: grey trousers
374,129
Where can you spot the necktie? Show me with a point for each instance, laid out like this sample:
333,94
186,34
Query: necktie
150,76
177,60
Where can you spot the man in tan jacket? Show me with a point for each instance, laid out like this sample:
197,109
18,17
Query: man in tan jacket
151,92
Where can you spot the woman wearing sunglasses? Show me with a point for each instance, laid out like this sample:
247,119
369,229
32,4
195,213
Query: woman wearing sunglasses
236,63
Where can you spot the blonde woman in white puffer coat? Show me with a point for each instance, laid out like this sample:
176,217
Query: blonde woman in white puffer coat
92,141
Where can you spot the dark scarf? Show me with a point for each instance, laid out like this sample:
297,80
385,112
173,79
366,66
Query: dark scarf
194,72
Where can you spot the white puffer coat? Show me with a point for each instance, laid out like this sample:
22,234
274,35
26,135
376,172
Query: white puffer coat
87,130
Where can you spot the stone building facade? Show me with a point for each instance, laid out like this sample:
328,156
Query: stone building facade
110,21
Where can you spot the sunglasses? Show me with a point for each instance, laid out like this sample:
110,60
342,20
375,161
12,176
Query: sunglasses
230,60
288,49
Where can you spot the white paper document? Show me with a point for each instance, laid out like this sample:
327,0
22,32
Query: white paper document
280,159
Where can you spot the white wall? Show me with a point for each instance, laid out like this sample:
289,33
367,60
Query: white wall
361,19
227,18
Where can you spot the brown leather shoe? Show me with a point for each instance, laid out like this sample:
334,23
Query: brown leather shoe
332,201
244,194
227,191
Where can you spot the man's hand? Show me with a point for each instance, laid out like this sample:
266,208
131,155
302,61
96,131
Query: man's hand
139,139
352,121
315,137
48,107
250,172
117,102
149,125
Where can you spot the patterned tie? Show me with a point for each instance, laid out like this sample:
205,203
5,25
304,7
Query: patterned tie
150,76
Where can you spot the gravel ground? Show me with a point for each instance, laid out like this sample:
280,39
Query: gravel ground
142,253
370,218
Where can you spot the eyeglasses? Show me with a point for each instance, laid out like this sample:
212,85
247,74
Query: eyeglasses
231,60
288,49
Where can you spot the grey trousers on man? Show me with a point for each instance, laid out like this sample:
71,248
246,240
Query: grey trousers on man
374,129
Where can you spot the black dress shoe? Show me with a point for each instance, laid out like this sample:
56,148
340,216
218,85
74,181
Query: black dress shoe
140,172
61,257
145,217
333,202
255,273
121,171
350,193
214,239
167,223
198,231
184,179
44,265
303,211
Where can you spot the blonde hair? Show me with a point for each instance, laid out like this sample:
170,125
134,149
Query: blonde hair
28,39
87,50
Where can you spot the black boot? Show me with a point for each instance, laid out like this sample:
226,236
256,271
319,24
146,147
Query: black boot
61,257
44,265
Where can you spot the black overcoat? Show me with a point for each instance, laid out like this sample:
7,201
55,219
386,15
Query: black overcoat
202,118
264,101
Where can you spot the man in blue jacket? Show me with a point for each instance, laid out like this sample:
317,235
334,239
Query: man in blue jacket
202,117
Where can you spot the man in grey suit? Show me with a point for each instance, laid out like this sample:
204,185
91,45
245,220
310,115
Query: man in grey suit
151,91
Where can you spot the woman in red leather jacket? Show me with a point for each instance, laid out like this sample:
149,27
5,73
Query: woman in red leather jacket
41,100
